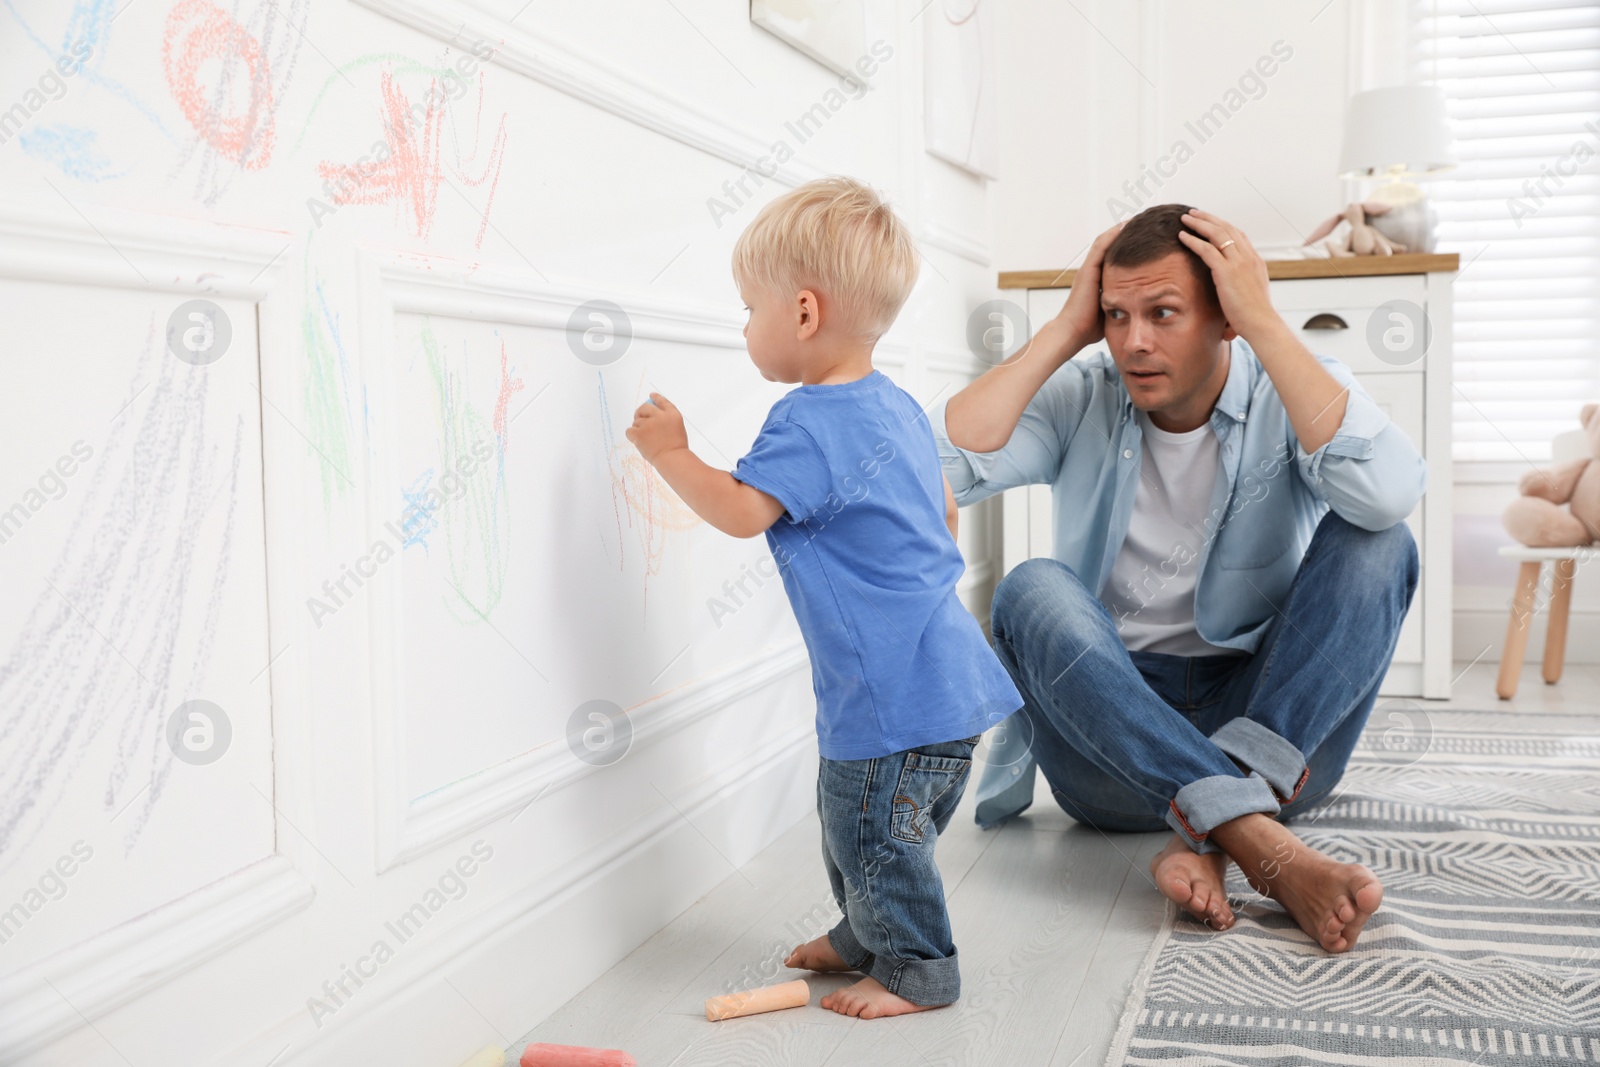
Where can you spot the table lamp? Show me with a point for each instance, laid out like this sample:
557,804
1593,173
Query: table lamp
1398,135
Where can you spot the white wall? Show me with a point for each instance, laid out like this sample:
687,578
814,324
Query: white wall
1095,93
397,737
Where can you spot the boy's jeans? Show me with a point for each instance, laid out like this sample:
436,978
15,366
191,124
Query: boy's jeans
1138,740
880,820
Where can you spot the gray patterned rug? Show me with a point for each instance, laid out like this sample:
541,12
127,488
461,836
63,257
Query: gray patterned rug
1485,830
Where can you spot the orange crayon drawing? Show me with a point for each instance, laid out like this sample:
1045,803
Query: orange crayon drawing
651,508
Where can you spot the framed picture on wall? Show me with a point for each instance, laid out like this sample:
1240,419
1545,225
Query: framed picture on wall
960,110
832,32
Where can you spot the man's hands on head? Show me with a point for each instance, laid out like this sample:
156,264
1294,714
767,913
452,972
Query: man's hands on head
1313,398
1081,321
1237,269
982,416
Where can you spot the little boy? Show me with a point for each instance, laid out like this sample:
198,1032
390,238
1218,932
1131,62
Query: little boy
844,479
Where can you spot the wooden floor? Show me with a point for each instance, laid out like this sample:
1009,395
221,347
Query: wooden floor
1051,920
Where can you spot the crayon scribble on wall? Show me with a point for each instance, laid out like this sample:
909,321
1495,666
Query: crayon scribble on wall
123,625
640,499
71,150
474,519
329,407
408,169
87,29
228,78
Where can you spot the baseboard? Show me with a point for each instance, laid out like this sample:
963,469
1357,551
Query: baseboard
56,996
588,916
1480,634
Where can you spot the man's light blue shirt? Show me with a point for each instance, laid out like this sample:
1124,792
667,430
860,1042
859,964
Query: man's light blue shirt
1079,436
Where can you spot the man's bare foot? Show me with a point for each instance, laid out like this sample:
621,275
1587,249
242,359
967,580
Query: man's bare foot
1193,882
816,955
1331,901
867,999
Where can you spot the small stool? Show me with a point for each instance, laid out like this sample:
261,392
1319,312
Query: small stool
1524,603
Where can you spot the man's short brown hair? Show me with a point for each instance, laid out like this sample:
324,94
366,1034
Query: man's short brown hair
1152,234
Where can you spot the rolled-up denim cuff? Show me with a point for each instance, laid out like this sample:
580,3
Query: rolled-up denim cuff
1208,803
849,949
1266,753
924,982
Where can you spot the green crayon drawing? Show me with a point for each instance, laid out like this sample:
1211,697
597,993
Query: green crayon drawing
329,410
474,520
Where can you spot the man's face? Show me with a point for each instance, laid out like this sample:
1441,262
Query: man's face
1166,337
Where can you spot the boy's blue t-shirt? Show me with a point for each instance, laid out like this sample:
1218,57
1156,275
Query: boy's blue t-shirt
870,567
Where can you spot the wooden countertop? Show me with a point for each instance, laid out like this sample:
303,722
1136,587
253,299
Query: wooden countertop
1346,267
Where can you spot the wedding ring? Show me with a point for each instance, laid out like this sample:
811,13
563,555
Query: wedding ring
1223,246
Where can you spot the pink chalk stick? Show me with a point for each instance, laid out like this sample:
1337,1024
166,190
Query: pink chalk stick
542,1055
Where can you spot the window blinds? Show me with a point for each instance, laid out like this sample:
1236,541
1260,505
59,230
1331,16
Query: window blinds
1522,83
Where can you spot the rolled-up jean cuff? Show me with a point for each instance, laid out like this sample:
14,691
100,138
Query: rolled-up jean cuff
1208,803
844,942
1265,752
923,982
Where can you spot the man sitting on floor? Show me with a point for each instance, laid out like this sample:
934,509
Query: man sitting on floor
1230,570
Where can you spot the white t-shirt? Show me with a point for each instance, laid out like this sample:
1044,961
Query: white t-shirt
1150,592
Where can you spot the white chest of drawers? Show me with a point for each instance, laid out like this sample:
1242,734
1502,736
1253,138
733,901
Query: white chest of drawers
1332,303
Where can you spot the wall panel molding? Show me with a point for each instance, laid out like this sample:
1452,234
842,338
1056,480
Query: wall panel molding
105,972
567,68
957,243
393,283
457,945
142,252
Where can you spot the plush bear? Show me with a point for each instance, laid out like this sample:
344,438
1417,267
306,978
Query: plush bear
1537,517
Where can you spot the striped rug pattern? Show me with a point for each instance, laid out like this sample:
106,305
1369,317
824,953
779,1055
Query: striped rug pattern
1485,830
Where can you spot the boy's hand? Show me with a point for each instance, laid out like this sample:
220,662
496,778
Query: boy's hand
657,428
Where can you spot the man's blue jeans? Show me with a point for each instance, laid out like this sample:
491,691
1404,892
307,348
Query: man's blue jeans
880,821
1140,741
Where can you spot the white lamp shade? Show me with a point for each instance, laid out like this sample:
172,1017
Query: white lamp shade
1403,127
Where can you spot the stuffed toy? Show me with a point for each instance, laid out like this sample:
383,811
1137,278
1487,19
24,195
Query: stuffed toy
1353,232
1538,519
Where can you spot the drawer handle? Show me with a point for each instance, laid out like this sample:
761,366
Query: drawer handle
1325,321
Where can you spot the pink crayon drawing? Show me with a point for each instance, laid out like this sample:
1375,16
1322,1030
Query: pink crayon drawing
408,172
228,80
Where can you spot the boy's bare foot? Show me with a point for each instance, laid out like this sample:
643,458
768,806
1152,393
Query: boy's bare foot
1193,882
816,955
1331,901
867,999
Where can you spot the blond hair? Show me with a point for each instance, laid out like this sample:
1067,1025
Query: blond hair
838,237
